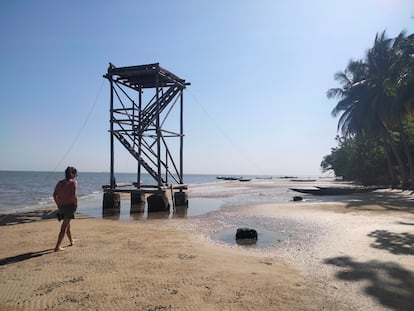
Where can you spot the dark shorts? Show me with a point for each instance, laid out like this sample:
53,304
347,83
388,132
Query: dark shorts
67,211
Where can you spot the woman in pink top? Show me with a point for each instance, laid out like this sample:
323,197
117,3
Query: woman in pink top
66,198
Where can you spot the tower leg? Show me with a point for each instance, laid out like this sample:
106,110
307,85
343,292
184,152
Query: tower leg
180,198
137,202
111,201
158,203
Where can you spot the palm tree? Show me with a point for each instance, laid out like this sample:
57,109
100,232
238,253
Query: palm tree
401,86
381,62
367,104
357,115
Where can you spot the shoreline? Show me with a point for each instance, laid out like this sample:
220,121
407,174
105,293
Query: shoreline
32,195
356,254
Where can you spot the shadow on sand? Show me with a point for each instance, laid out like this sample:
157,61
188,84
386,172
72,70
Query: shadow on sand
23,257
389,283
32,216
388,200
27,217
395,243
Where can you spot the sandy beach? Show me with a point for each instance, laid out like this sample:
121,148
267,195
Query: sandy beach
353,254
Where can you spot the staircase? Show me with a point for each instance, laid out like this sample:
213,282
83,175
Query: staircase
135,154
150,113
137,119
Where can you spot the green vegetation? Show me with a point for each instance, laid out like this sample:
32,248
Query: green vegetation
376,115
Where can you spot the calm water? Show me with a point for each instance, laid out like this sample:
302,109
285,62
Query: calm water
209,198
21,191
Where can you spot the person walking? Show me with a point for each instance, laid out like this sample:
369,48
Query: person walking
66,198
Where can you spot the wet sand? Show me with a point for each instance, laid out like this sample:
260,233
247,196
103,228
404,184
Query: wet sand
353,254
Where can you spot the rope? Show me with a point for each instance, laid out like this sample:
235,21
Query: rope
76,138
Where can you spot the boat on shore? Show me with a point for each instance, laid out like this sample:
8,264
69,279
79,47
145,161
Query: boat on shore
240,178
303,180
229,177
334,190
244,179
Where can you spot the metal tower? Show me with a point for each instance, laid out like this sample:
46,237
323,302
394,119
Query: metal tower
142,100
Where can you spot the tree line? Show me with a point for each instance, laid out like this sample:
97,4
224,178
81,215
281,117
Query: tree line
375,105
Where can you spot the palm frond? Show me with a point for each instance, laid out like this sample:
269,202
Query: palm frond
335,93
342,78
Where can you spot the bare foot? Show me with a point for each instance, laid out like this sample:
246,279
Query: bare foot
73,242
57,249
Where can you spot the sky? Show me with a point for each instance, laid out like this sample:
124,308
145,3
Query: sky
259,71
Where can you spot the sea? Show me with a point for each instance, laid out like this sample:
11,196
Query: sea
22,191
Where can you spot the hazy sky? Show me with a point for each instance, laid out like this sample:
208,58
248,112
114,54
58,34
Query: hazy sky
259,72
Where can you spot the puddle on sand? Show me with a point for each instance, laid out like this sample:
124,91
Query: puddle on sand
264,237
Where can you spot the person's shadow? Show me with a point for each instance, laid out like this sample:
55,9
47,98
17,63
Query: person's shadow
23,257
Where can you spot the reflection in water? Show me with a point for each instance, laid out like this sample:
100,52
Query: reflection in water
158,215
113,213
180,211
139,211
265,237
137,207
246,241
137,216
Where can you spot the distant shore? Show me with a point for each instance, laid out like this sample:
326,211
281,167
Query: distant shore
353,254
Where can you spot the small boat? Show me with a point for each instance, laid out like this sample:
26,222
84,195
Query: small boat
244,179
303,180
228,177
334,190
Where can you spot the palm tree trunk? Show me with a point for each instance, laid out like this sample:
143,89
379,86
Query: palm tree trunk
401,164
393,147
391,171
409,156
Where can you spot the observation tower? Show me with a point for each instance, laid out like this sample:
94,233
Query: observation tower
146,118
